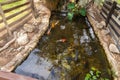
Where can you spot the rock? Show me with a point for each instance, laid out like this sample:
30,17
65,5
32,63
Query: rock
44,20
2,43
62,27
22,39
28,27
107,39
35,66
101,24
37,20
3,61
104,32
113,48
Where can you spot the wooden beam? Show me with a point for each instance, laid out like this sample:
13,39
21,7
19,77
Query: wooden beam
13,8
9,2
13,76
22,18
15,14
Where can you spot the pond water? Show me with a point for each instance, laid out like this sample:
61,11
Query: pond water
68,52
73,49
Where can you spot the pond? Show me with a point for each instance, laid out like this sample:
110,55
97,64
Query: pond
69,50
73,49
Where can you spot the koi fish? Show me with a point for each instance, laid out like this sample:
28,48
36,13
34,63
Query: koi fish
53,24
61,40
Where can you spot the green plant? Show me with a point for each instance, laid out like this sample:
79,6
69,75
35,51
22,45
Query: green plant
73,9
94,74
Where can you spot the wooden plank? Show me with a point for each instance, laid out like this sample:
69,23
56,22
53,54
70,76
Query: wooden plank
112,25
16,26
117,28
13,76
13,8
118,7
115,37
103,14
15,22
116,21
1,78
109,3
9,2
13,15
116,13
105,11
108,7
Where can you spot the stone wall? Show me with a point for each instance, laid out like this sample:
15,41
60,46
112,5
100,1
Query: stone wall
106,40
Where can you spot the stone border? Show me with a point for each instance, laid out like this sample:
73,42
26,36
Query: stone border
102,35
33,42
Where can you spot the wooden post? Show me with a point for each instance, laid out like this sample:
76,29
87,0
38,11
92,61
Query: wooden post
4,20
33,8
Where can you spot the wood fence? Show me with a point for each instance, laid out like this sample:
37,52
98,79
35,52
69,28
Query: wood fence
26,9
111,14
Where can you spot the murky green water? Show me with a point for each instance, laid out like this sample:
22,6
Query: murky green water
73,47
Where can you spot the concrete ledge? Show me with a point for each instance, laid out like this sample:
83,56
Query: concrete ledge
32,43
105,43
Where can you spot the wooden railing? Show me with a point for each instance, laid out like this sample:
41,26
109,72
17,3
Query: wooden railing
111,14
12,21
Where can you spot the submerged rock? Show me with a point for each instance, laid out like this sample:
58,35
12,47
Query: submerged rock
85,38
76,42
35,66
92,33
62,27
113,48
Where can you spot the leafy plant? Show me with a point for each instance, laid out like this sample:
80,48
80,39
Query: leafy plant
74,9
82,11
71,6
70,15
94,74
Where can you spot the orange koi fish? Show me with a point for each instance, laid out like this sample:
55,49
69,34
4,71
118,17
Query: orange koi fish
53,24
61,40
